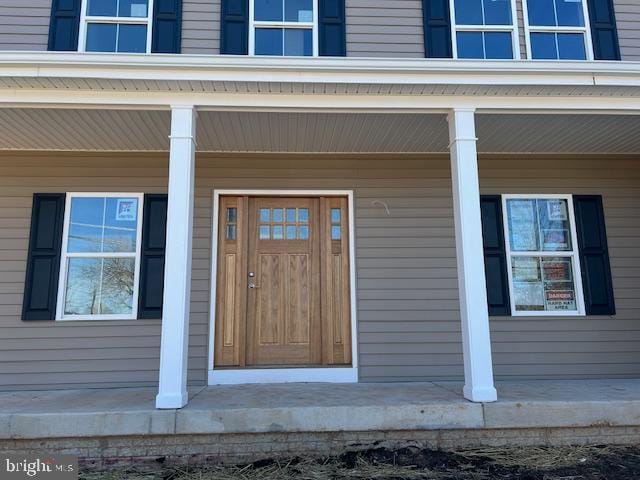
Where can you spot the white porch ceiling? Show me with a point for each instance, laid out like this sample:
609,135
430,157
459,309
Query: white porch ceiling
80,129
318,132
321,132
557,133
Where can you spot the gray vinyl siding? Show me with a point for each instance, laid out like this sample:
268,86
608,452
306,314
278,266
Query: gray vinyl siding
408,315
576,347
375,28
201,27
379,28
628,21
24,24
47,354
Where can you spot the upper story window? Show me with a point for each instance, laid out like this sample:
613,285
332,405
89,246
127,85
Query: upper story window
484,29
557,30
283,27
116,26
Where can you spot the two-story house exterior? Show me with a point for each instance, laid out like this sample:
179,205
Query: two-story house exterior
206,192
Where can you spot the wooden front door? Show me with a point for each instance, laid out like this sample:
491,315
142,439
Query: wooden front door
283,283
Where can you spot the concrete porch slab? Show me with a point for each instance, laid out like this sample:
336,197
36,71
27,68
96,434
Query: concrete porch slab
264,409
327,408
584,403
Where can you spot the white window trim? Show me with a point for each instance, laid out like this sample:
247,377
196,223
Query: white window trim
337,374
64,256
513,29
313,26
86,19
574,255
586,30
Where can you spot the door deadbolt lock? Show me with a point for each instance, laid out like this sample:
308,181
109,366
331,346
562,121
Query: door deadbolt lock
251,274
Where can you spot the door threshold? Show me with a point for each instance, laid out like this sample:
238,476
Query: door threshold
283,375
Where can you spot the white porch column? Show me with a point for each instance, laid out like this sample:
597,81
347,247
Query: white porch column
478,367
172,390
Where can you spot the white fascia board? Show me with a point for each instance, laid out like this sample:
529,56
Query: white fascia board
346,70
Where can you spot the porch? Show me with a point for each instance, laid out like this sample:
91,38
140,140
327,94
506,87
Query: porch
249,422
417,147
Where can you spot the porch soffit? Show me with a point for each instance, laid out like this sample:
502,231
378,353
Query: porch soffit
314,132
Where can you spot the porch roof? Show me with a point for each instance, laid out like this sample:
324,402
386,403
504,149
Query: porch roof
198,74
103,102
319,408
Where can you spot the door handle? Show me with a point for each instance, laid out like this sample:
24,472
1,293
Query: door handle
253,285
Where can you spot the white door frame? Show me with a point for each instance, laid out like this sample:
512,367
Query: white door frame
282,375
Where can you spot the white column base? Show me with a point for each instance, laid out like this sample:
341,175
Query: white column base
171,400
480,394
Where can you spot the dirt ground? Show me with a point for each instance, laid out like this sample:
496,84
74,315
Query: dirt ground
548,463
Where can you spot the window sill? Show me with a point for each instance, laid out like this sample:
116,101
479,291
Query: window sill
92,318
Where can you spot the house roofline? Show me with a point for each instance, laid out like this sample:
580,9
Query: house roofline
347,70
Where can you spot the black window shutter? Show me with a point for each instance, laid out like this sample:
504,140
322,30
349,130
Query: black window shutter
167,26
64,25
234,34
331,28
437,29
154,231
604,33
495,256
594,255
43,260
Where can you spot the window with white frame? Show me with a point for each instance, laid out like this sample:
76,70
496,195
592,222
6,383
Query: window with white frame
557,30
484,29
283,28
100,259
542,255
116,26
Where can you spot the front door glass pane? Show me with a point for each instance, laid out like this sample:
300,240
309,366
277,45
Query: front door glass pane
291,232
277,215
